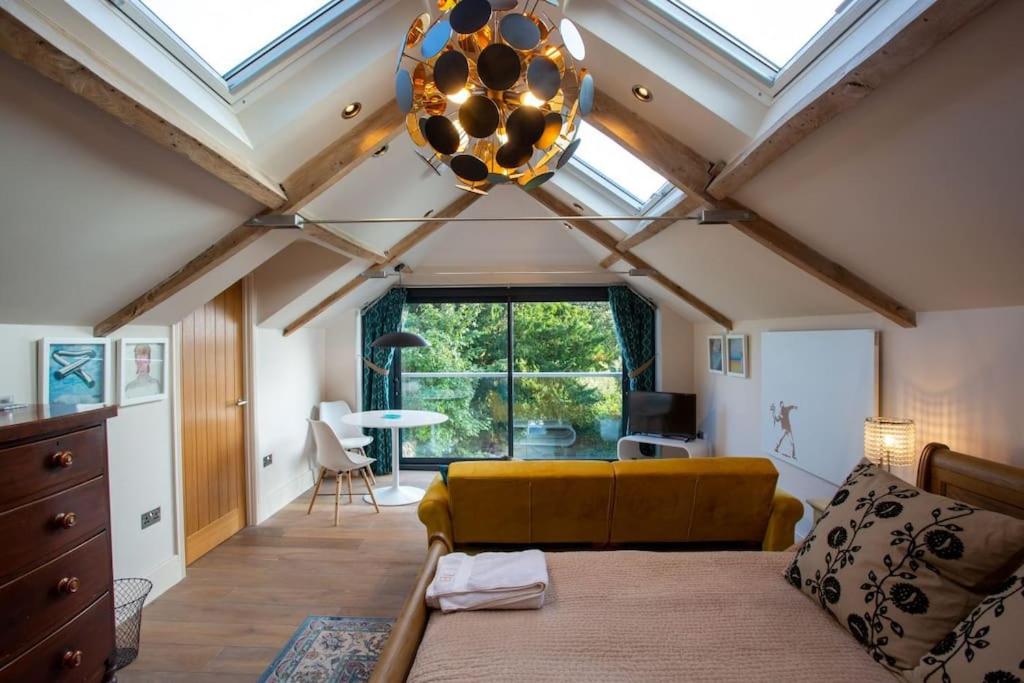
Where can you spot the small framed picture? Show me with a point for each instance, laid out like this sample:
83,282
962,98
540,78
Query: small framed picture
75,371
736,355
716,354
142,370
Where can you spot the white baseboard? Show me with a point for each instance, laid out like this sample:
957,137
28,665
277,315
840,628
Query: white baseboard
164,576
284,494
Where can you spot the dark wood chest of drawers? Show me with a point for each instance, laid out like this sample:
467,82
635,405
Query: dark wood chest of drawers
56,579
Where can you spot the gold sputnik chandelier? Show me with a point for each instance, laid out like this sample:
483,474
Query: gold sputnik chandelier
492,90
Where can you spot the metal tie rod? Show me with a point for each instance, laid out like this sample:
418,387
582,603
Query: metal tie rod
703,217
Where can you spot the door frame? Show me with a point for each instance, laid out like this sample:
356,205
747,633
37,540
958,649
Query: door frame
251,473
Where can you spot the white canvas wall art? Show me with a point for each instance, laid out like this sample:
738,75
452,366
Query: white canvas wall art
817,387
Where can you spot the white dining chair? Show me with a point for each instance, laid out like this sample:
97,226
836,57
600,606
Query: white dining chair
332,457
351,437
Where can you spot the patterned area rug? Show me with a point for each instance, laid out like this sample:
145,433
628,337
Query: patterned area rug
330,650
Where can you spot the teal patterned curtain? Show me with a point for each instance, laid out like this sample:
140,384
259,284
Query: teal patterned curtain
381,317
635,331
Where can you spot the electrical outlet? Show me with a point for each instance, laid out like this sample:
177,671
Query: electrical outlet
150,518
268,459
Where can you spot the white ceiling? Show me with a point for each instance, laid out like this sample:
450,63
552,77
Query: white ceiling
93,214
915,189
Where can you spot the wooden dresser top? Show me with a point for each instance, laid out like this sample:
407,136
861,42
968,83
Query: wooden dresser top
38,420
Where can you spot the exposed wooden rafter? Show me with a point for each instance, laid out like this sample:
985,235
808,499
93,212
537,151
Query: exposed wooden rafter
597,234
395,253
690,171
341,157
214,255
342,243
877,63
655,227
28,47
320,175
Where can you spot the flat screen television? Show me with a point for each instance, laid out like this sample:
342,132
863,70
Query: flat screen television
661,413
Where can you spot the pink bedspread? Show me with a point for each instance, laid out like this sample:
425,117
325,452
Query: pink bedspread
643,616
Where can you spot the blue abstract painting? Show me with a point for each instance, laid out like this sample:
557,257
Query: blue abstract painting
76,373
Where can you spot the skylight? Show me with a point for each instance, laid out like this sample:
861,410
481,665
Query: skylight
227,33
772,31
617,167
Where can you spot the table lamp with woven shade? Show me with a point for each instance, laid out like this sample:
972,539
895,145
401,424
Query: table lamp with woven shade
889,442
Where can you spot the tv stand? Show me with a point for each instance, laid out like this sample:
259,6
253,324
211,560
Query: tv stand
629,447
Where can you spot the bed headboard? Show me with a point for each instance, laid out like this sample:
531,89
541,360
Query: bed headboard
982,483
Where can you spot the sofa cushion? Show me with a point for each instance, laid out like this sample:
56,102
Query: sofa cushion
538,502
692,500
900,567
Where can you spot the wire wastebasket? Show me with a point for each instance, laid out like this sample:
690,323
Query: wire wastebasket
129,597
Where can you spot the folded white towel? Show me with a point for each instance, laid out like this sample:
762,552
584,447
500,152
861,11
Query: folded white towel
489,581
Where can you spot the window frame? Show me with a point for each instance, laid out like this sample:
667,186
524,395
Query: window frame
729,56
241,79
490,295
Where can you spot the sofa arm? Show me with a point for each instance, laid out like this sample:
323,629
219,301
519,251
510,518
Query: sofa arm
435,513
786,512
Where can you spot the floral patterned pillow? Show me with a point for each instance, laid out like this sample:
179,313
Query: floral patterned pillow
987,646
900,567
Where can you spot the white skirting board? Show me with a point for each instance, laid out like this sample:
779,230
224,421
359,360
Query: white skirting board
168,573
284,494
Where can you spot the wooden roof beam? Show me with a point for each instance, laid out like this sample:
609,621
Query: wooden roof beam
211,257
594,232
402,247
678,212
876,64
28,47
341,157
691,172
344,244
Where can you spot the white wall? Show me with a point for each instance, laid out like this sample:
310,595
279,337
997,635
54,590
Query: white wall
675,352
343,360
959,375
289,383
141,456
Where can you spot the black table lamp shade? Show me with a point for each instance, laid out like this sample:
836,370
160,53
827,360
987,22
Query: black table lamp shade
398,340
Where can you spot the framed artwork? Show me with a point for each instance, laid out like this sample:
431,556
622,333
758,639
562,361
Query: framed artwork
716,354
736,355
816,389
75,371
142,370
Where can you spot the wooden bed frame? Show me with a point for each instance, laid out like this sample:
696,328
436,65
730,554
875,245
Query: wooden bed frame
982,483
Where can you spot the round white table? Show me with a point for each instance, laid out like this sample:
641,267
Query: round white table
396,494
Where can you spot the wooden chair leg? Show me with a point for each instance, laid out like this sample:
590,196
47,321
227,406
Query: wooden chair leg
373,497
316,490
337,497
348,476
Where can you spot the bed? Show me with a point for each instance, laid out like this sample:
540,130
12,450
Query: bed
630,615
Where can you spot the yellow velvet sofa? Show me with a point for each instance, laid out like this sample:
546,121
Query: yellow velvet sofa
700,502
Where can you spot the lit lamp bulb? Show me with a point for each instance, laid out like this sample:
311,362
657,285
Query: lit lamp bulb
530,100
459,97
889,442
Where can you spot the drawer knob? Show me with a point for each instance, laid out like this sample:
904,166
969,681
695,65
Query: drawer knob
62,459
72,659
66,520
69,585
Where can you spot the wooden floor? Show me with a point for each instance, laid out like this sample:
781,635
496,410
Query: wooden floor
239,605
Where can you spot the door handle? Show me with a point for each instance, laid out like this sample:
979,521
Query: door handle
242,402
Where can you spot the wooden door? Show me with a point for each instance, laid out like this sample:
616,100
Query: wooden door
213,422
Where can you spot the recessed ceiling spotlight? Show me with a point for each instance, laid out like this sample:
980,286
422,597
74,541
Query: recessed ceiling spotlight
381,152
427,214
578,207
351,110
642,93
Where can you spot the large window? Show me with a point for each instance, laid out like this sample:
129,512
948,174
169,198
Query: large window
524,373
